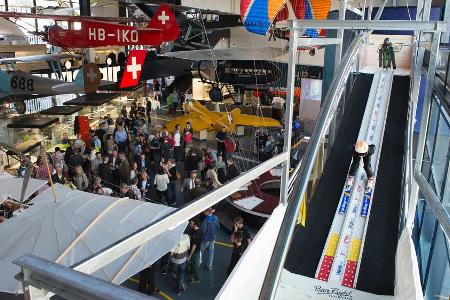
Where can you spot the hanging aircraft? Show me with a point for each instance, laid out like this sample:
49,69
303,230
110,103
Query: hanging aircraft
17,86
142,66
163,27
199,28
202,118
101,32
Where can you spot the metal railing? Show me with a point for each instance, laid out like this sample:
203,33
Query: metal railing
433,202
39,275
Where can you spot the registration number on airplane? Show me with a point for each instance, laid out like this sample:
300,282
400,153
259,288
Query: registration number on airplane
122,35
21,83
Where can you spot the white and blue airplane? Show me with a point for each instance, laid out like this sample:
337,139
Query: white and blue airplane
17,86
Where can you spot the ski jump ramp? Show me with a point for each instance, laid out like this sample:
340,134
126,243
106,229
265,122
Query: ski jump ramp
342,253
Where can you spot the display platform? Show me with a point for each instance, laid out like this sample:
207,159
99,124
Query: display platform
33,121
92,99
62,110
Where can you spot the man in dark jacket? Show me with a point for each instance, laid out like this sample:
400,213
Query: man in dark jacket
209,228
124,169
105,172
238,250
145,186
143,164
191,163
125,192
75,160
195,235
233,170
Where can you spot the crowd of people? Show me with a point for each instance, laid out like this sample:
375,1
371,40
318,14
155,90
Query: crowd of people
128,157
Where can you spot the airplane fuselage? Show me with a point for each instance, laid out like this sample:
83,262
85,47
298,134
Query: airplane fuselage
101,34
19,83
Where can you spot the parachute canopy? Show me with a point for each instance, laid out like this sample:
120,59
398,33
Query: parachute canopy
258,15
305,10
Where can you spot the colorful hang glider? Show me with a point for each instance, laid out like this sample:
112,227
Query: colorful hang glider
202,118
258,15
305,10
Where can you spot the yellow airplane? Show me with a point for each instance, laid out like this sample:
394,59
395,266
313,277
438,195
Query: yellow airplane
202,118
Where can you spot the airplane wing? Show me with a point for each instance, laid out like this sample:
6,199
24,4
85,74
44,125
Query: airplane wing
255,121
176,7
43,57
16,15
266,53
196,123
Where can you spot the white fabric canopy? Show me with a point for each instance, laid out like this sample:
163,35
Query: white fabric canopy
11,186
46,196
77,226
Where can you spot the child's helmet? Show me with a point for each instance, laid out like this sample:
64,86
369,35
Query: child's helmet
361,147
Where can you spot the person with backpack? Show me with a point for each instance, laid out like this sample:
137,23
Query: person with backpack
209,228
188,134
230,147
221,138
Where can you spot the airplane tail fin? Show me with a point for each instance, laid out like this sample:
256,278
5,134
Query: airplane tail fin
132,72
88,78
165,19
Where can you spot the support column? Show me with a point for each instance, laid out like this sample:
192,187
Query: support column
85,7
85,10
36,27
423,14
289,112
123,14
6,5
337,60
424,120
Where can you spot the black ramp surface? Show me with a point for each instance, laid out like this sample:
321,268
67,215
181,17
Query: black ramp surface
377,271
307,245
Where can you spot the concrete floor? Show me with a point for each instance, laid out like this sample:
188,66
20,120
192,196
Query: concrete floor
210,281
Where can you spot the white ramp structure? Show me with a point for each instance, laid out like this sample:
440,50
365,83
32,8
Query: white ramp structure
342,252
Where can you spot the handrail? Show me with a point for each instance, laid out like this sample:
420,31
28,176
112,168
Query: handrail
441,214
324,118
68,283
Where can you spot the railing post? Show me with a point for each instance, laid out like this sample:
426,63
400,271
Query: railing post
425,117
292,63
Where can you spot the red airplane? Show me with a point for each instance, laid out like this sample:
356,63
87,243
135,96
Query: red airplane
162,28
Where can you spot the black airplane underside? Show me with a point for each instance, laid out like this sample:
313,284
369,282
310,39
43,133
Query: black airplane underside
199,29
